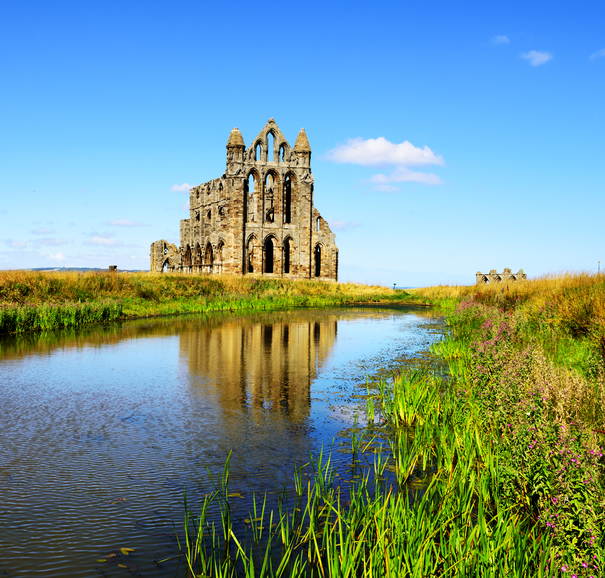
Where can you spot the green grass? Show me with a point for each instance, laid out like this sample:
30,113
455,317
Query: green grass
496,470
459,524
25,297
19,318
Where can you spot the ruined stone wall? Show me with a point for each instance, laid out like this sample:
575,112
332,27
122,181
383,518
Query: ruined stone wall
504,277
258,218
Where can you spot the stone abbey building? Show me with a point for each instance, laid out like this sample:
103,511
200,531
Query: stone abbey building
256,219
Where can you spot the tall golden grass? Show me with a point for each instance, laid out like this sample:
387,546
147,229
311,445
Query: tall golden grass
38,287
577,298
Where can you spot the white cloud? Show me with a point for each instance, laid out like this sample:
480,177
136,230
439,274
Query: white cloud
57,257
125,223
42,231
598,54
403,175
105,241
185,206
379,151
501,39
184,188
51,242
15,244
337,225
537,58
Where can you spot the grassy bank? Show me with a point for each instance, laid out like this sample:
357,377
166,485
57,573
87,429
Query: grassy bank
508,452
432,508
35,300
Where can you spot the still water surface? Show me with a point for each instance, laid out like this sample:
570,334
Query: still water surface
102,430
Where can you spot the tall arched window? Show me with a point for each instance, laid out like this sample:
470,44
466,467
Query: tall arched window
208,258
269,255
318,223
287,245
269,199
270,144
317,254
257,152
250,256
249,200
220,256
282,151
288,200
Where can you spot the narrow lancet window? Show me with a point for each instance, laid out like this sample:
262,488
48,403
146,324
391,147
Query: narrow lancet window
288,200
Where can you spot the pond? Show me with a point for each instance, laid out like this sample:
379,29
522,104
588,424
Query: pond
103,429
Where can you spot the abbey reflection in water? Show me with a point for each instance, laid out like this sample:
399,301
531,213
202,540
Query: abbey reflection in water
269,364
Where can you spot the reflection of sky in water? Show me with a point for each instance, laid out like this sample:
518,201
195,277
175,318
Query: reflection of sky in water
103,430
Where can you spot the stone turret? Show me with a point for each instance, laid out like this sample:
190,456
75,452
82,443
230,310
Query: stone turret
302,149
235,151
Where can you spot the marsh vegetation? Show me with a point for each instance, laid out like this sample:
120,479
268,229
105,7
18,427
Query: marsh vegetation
509,445
32,301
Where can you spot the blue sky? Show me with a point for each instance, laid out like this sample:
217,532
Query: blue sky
447,137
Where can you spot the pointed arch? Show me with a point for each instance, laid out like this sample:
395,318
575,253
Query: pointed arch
317,260
270,196
251,191
270,146
197,258
290,189
208,258
288,249
187,257
220,256
269,254
251,256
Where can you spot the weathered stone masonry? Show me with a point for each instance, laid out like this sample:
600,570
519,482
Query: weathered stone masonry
258,218
493,277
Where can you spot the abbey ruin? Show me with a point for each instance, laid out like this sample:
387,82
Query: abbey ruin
505,277
258,218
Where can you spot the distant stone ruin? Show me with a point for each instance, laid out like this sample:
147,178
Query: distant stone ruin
505,277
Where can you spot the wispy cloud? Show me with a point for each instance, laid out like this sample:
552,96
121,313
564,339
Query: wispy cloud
15,244
51,242
337,225
42,231
125,223
184,188
403,175
381,152
598,54
57,257
105,241
537,58
185,206
501,39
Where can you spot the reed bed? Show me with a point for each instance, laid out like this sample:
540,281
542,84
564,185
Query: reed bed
498,469
22,293
21,317
457,524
